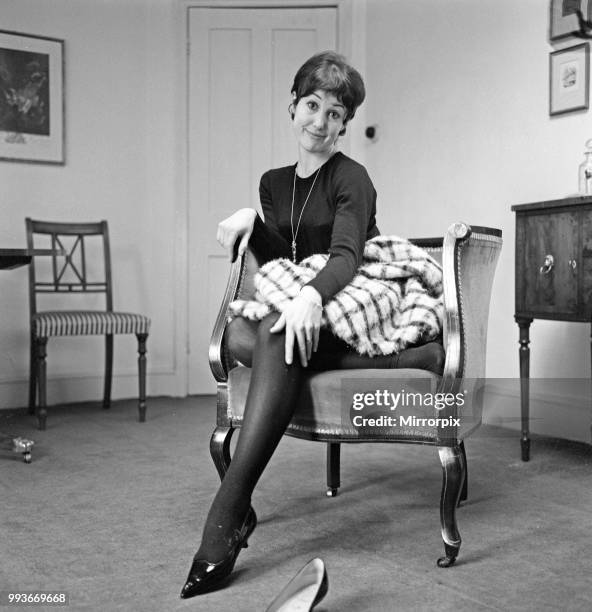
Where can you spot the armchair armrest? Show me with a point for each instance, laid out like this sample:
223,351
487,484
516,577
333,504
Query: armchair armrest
469,259
452,333
239,286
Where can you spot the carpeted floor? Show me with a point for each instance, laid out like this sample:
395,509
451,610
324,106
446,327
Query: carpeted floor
110,511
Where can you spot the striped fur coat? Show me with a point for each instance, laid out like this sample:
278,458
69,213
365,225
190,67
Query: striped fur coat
394,301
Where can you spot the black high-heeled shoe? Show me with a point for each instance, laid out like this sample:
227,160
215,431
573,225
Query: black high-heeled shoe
205,576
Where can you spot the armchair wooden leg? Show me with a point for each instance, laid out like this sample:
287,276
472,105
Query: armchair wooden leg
465,488
220,449
453,468
333,468
41,376
32,376
142,375
108,370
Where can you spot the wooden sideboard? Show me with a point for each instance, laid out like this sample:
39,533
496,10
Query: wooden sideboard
553,275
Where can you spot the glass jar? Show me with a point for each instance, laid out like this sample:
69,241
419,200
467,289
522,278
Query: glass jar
585,171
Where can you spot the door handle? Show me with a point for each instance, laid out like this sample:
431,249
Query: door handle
547,264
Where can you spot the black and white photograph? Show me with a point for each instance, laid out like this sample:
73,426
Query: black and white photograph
31,98
569,79
296,305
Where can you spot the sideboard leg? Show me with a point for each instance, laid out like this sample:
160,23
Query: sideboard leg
524,354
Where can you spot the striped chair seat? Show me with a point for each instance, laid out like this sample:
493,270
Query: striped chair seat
88,322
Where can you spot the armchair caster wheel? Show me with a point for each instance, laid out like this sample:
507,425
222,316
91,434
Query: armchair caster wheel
446,561
450,558
332,492
27,457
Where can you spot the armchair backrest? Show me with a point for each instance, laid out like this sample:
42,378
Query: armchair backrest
468,256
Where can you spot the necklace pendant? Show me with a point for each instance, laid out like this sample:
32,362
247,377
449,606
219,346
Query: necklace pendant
294,251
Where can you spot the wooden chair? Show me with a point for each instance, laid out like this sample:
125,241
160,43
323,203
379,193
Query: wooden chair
468,256
82,267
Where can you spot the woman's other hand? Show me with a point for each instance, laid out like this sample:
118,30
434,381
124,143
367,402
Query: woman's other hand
237,226
302,322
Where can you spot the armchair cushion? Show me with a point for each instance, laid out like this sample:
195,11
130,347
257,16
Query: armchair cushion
320,416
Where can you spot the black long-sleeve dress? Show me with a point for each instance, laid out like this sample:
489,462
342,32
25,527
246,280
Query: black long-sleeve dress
338,219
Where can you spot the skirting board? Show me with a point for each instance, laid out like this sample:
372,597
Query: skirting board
560,408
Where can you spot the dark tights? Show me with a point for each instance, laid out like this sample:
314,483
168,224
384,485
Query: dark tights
270,404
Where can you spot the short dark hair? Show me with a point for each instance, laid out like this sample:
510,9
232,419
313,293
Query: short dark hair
330,72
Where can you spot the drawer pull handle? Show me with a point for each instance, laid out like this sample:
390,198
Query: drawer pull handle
547,265
573,264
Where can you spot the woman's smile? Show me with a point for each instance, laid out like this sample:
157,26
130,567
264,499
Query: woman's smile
315,135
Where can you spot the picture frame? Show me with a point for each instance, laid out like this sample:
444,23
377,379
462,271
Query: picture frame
31,98
569,79
563,19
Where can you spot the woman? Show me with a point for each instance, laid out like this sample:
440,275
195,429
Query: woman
325,203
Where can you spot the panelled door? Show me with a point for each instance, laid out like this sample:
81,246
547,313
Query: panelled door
240,70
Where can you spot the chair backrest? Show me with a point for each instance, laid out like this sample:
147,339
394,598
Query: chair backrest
81,265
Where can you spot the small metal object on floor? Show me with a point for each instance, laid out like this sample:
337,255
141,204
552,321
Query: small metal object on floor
19,445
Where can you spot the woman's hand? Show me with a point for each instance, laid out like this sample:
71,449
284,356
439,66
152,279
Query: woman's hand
238,225
302,321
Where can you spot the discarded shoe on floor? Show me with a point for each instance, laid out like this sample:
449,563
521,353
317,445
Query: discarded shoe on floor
304,591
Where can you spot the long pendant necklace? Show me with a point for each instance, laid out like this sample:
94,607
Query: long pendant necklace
295,234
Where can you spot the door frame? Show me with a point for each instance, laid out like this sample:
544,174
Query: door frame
351,42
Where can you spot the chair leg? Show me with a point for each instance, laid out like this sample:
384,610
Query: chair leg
333,468
453,468
465,488
108,370
142,375
32,376
41,376
220,449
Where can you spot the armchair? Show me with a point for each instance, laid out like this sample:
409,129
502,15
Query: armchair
468,256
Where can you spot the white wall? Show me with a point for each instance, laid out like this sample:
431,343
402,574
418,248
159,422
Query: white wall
459,90
121,146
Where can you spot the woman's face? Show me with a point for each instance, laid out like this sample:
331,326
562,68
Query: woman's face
318,119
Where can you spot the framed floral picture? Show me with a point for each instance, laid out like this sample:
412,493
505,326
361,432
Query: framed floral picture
569,79
31,98
565,17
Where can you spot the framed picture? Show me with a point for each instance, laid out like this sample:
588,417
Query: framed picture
31,98
564,17
569,79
